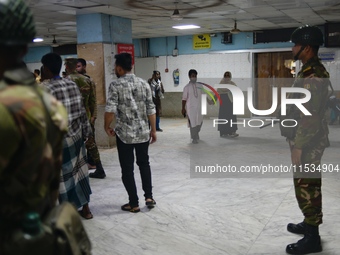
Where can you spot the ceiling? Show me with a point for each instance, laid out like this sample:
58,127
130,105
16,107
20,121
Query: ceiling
151,18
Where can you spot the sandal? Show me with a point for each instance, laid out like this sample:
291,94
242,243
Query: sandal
150,203
128,208
86,216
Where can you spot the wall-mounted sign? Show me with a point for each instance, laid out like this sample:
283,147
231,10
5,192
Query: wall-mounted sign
201,41
126,48
327,56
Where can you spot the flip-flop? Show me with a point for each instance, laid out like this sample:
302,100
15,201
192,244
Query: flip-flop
85,216
150,204
128,208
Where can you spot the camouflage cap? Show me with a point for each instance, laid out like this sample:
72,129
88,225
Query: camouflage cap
71,63
16,23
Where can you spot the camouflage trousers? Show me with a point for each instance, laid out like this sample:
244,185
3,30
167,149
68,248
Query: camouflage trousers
308,186
92,148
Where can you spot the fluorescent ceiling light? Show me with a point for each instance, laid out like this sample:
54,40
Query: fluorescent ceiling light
186,27
38,40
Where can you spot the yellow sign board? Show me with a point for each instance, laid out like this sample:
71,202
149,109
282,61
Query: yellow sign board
201,41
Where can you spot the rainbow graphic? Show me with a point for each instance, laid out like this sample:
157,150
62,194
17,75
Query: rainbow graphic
209,92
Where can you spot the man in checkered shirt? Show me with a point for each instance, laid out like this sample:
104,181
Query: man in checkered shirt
74,181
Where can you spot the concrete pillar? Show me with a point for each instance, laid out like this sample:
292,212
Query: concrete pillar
97,38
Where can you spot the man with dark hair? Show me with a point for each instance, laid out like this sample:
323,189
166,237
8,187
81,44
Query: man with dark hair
129,101
87,89
191,105
157,94
74,182
81,67
37,75
309,140
32,127
52,63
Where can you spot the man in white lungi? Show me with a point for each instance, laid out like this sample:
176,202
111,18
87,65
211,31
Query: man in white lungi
191,105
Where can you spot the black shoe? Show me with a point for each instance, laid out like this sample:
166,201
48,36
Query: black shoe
90,160
299,228
97,175
159,130
308,244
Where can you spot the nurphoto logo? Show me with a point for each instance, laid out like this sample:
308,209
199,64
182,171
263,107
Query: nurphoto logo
238,104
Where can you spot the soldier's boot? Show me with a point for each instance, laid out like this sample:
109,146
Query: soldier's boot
310,243
99,173
90,161
299,228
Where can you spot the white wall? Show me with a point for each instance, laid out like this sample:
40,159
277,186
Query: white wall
144,67
210,68
333,67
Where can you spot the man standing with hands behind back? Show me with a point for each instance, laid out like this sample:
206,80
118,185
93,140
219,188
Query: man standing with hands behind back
310,139
129,101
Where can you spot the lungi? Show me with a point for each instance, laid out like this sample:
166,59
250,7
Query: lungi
74,180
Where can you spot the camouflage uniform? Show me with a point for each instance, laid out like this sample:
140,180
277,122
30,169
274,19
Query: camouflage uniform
30,163
87,90
312,138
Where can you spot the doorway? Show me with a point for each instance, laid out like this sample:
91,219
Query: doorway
272,69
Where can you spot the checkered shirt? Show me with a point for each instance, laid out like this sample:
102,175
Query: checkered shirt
130,99
67,92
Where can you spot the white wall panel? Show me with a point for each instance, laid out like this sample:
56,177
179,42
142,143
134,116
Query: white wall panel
210,68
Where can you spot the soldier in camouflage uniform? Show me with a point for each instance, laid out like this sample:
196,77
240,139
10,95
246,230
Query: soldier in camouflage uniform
311,139
81,68
30,158
87,89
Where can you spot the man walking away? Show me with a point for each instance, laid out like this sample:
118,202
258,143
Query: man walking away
130,103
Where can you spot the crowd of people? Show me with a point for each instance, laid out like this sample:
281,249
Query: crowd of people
48,125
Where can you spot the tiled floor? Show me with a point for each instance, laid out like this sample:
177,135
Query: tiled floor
214,214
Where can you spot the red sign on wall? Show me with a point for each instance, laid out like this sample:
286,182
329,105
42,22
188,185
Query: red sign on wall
126,48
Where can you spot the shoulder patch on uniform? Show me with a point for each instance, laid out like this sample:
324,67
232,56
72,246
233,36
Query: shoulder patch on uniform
308,71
